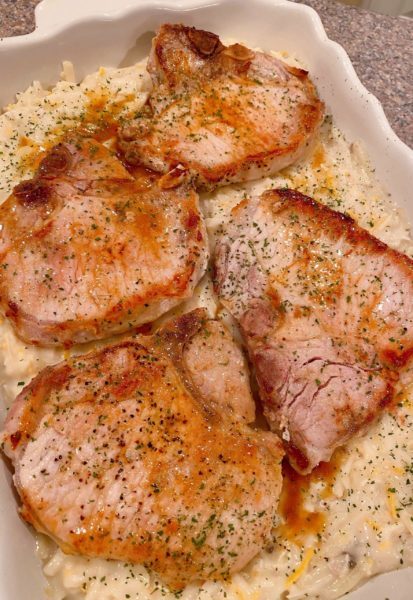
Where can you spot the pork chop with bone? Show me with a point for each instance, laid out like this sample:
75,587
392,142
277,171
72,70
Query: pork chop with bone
226,113
87,251
326,311
130,453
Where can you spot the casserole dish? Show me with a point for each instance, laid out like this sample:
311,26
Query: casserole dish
118,33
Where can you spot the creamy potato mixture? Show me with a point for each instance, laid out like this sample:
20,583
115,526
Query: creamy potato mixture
340,525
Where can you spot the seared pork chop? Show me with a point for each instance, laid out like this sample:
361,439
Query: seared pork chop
226,113
121,454
326,311
86,251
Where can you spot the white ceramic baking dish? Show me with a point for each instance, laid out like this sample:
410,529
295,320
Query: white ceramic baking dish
118,32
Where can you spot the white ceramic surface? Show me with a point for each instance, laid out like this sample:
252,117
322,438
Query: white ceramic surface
92,33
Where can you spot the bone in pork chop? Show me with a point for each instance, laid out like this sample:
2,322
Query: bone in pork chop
122,453
86,251
226,113
326,311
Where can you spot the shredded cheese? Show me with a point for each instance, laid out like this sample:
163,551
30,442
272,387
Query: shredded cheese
391,503
301,569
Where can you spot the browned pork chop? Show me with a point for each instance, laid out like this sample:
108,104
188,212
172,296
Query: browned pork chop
226,113
87,251
121,454
327,314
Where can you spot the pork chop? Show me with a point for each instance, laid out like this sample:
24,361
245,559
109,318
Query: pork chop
121,454
326,311
87,251
227,113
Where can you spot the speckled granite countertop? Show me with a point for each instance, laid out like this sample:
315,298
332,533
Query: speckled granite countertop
380,48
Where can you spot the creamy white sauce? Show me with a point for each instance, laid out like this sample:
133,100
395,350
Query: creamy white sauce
368,512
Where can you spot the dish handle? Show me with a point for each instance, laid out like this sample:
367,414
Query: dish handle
51,14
